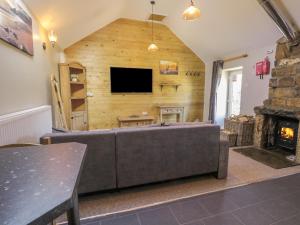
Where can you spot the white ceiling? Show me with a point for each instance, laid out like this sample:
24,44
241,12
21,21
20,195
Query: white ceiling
225,27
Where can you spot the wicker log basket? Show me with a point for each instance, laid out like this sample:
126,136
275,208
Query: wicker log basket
242,126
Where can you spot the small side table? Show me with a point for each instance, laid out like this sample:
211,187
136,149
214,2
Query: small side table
171,110
135,121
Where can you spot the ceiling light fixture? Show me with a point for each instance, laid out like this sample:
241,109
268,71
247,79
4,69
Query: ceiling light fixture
52,38
152,47
192,12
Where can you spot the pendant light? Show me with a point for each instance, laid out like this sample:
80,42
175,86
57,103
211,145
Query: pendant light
192,12
152,47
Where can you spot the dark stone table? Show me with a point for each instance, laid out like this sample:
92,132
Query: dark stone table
38,184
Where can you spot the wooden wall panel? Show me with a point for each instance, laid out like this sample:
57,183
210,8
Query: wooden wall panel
124,43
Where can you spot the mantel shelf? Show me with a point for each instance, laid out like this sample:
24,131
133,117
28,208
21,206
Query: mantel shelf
162,85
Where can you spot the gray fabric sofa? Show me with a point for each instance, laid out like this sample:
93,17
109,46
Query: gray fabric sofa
128,157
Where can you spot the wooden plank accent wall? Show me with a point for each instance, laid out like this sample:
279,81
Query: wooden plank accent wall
124,43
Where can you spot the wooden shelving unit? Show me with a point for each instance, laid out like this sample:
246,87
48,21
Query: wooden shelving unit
74,97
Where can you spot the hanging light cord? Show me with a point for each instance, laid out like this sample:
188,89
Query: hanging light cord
152,21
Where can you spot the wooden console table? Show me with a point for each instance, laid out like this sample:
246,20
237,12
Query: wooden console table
171,110
135,121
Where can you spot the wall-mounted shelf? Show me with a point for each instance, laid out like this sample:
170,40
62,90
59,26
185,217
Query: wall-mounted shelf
77,83
162,85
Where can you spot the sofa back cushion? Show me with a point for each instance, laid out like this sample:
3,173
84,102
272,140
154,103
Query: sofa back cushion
99,171
147,155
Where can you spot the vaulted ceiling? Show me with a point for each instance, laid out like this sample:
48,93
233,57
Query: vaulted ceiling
225,27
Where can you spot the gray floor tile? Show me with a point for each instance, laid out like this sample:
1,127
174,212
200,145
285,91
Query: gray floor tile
288,182
223,219
90,223
125,220
87,222
199,222
242,196
252,215
293,199
264,203
187,211
218,203
267,190
294,220
161,216
278,209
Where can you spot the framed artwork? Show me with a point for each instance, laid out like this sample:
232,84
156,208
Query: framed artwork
168,67
16,25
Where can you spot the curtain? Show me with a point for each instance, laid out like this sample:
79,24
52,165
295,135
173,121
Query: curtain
215,82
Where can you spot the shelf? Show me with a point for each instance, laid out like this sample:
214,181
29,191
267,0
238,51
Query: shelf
78,91
162,85
77,98
77,83
76,70
78,104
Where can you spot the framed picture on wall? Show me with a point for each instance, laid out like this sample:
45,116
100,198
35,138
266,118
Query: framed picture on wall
16,25
168,67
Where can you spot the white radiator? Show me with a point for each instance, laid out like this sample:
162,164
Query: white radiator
25,126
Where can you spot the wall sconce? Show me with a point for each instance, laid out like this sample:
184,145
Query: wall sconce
52,38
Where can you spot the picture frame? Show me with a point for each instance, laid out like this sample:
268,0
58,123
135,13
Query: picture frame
168,67
16,25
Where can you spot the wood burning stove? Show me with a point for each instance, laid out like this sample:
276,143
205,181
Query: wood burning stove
286,135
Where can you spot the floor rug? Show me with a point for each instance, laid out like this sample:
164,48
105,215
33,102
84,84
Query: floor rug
275,158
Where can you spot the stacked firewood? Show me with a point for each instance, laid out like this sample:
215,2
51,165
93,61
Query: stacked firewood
239,130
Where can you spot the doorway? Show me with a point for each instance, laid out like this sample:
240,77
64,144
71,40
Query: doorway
234,92
229,94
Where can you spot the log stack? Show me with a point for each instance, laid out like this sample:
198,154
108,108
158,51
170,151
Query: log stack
241,126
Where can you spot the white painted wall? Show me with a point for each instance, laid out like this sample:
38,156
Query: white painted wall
254,90
24,79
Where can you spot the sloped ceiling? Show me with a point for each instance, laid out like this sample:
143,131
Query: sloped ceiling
225,27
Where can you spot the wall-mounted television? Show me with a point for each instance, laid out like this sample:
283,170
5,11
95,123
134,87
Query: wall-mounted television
130,80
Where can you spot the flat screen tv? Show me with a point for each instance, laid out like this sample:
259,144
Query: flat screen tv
130,80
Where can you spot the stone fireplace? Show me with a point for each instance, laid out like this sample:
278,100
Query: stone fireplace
277,121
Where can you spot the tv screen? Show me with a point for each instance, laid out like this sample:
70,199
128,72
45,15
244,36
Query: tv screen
130,80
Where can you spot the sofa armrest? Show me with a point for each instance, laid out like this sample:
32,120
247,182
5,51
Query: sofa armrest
223,159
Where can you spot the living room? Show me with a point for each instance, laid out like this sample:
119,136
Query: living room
149,112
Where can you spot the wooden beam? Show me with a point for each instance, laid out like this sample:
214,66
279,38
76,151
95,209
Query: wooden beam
235,58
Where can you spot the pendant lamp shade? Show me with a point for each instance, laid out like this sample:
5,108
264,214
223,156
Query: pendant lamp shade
152,48
192,12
